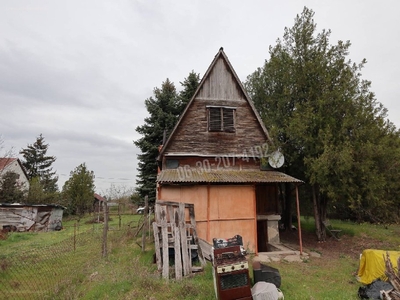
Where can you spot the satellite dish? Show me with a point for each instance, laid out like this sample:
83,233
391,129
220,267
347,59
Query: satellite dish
276,159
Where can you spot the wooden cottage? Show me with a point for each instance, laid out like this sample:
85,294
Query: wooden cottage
215,159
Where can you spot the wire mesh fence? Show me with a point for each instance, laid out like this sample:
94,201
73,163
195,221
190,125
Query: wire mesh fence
53,263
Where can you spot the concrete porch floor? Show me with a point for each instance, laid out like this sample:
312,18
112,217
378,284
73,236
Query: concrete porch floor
281,252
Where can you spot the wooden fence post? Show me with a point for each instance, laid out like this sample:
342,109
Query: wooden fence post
75,236
146,208
105,230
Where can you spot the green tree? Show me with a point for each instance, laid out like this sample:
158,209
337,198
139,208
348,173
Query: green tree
78,190
136,199
321,113
37,194
164,110
10,190
38,164
190,85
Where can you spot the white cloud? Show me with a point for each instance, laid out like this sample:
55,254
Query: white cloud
79,71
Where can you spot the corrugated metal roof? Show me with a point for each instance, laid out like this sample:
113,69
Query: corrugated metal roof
194,175
99,198
19,205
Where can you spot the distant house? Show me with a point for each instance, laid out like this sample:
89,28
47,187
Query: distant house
14,165
98,203
215,158
35,217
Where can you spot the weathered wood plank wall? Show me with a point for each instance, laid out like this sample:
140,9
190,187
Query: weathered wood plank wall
219,89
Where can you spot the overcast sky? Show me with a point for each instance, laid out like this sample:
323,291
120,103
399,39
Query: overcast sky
79,71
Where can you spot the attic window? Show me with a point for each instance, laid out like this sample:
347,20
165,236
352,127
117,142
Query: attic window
221,118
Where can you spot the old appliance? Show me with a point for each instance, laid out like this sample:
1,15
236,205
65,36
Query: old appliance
231,273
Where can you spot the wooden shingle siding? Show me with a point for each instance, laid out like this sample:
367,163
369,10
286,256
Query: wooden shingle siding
192,136
240,130
220,88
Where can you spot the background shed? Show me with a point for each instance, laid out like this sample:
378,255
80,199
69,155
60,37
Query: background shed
36,217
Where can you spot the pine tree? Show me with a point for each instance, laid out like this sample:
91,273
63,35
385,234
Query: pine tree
10,191
37,194
189,85
328,123
164,109
163,115
38,164
78,190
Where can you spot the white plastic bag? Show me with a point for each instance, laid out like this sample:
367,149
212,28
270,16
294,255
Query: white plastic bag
265,291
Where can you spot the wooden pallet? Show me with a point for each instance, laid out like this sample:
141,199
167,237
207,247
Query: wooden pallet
175,227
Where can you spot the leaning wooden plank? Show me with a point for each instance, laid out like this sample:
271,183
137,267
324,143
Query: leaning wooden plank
385,295
398,267
170,218
195,238
186,258
390,273
206,249
164,237
157,211
177,245
156,233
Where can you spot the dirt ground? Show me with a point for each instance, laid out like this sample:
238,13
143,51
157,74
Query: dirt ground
332,248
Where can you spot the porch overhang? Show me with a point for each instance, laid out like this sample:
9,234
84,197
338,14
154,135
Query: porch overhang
195,175
190,176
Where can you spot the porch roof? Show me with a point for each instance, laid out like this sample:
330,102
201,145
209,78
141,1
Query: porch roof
195,175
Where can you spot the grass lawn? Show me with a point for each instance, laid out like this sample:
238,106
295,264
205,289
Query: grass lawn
68,264
332,275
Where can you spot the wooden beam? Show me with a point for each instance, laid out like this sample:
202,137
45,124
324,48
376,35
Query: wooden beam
178,239
164,237
208,213
255,220
298,219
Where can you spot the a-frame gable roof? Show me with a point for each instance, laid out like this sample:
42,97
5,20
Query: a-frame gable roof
6,161
219,56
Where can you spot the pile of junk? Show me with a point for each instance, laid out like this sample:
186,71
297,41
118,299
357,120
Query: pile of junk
231,273
379,273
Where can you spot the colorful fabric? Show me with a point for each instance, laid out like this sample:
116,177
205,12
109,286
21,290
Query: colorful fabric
372,265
